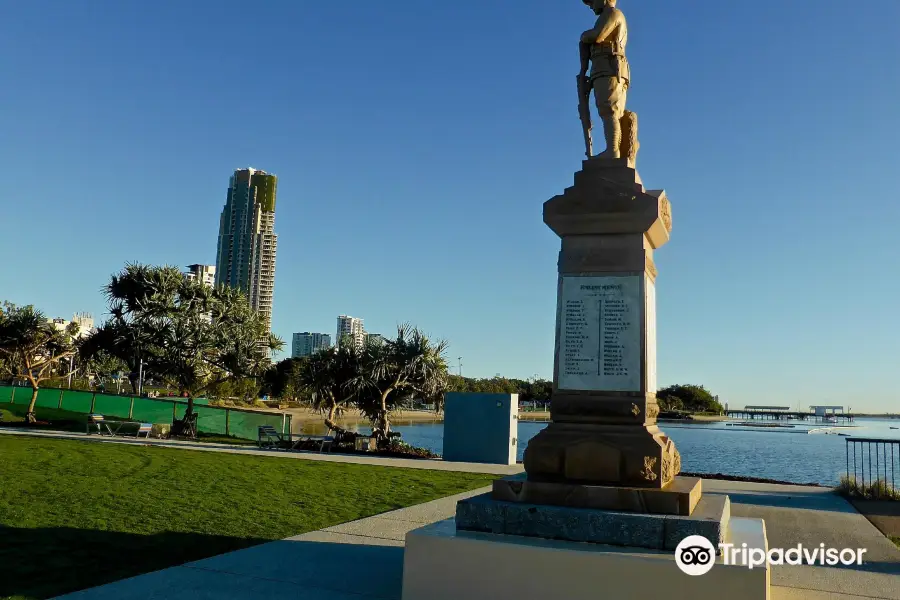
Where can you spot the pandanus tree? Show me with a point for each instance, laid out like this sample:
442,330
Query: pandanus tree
396,371
138,298
330,377
192,336
31,347
208,337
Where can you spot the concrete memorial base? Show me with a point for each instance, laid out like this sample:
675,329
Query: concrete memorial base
680,497
637,530
441,563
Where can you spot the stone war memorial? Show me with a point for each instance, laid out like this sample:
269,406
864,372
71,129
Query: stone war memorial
601,508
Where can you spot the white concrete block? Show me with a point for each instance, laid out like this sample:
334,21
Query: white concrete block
443,564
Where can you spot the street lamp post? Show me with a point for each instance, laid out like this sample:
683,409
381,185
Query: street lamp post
71,364
141,378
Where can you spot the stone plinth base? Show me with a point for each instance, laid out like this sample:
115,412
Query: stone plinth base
678,498
602,454
441,563
657,532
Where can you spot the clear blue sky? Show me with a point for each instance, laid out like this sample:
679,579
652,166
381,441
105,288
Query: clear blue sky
415,142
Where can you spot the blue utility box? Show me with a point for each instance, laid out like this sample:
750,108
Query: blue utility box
481,428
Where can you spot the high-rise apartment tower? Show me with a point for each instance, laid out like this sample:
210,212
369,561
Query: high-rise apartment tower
206,274
245,258
350,327
306,343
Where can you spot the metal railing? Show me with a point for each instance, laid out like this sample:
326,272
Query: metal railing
874,462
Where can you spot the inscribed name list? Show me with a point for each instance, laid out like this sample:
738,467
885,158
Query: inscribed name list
600,334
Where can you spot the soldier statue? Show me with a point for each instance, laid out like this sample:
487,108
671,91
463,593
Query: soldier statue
603,50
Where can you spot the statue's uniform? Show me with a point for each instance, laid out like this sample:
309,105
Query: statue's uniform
610,73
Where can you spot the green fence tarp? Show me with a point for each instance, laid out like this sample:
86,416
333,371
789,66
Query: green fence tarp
23,395
48,398
112,406
77,401
210,420
149,410
245,424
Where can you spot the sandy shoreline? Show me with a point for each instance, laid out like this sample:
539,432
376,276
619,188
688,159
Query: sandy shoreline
306,420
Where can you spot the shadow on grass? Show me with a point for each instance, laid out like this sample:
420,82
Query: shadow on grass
48,418
47,562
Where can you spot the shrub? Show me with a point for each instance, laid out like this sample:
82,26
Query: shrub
875,490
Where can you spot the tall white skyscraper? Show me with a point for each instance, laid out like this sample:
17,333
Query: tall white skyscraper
351,327
306,343
245,258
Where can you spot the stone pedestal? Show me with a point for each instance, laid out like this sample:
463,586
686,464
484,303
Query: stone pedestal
711,520
603,408
680,497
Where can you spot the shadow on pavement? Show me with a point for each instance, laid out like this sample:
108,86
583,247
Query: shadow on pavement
823,501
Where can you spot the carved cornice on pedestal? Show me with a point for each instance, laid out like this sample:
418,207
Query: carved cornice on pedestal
608,199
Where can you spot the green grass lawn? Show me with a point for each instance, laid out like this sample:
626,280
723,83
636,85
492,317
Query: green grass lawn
77,514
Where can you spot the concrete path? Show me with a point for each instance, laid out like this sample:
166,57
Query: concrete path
812,516
364,559
359,459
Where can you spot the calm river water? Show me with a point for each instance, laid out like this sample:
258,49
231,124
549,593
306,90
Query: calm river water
784,454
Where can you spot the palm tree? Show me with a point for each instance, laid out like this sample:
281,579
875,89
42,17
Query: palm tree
396,371
31,346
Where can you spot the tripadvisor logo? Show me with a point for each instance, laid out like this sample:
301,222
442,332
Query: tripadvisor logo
696,555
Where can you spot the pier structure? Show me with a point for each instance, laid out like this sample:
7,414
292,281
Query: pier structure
819,414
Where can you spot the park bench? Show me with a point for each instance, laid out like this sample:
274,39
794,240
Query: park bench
326,441
97,421
114,428
268,436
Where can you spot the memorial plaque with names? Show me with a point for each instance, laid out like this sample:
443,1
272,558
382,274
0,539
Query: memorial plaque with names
600,333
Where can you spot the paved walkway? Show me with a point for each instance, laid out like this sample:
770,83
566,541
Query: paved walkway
360,459
364,559
812,516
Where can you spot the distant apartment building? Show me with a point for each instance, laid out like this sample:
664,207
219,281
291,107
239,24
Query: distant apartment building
306,343
245,258
84,321
205,274
352,328
375,338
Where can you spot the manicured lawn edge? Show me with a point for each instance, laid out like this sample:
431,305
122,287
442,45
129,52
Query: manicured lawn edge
75,514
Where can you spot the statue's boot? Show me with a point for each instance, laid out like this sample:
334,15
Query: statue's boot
612,130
